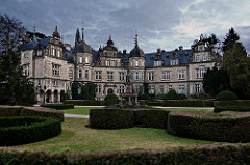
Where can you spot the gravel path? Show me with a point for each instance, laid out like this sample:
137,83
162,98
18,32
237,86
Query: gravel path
76,116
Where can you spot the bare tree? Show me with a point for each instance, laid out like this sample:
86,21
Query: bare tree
11,33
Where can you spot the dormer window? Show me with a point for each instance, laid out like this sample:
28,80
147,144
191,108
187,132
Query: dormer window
39,52
157,63
197,58
201,49
174,62
107,63
80,60
204,58
58,53
86,60
112,63
53,52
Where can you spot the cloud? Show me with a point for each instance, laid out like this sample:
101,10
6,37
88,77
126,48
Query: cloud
159,23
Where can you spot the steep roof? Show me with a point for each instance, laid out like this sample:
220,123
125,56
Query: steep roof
35,42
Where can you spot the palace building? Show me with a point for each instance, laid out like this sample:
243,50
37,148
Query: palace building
52,66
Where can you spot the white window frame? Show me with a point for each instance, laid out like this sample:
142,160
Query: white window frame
121,89
122,76
80,60
197,88
53,52
198,58
181,74
107,63
181,88
70,73
58,53
137,76
137,63
151,76
98,75
110,76
204,57
99,89
161,89
112,63
86,60
86,74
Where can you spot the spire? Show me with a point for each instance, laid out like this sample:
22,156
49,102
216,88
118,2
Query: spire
55,33
34,31
135,38
77,39
82,34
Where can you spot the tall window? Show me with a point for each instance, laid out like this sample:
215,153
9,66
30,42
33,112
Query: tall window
58,53
170,87
55,83
131,63
200,73
53,52
122,76
98,89
122,89
87,74
55,70
137,76
197,58
80,73
137,63
150,76
86,60
151,89
26,70
174,62
112,63
165,75
70,73
181,89
80,60
162,89
137,88
197,88
98,75
38,82
110,76
142,76
181,75
39,52
204,57
107,63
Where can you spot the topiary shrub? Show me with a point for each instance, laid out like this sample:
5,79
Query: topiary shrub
111,96
26,129
226,96
172,95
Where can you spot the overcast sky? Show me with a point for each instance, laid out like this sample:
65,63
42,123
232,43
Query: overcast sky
164,24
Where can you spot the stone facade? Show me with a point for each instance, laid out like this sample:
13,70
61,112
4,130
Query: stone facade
53,66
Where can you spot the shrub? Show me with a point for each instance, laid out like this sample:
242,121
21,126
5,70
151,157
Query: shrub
226,96
154,103
151,118
232,103
181,96
160,96
206,154
225,126
85,102
232,108
26,129
10,110
111,102
40,111
188,103
111,96
111,118
172,95
58,106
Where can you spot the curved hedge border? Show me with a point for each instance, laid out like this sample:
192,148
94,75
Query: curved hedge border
114,118
26,129
225,126
232,108
30,111
58,106
215,154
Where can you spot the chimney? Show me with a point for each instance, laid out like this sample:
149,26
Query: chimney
124,52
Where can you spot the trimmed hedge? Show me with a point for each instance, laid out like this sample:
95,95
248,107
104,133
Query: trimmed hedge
10,110
92,102
111,118
58,106
154,103
26,129
215,154
151,118
225,126
128,118
187,103
232,103
232,108
40,111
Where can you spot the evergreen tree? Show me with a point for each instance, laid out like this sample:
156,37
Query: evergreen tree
15,87
231,38
215,81
236,64
88,91
74,89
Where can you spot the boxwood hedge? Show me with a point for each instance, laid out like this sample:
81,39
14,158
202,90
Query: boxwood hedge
26,129
232,108
58,106
188,103
10,110
225,126
215,154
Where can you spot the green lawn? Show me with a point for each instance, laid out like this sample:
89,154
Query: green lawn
79,110
86,110
77,137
